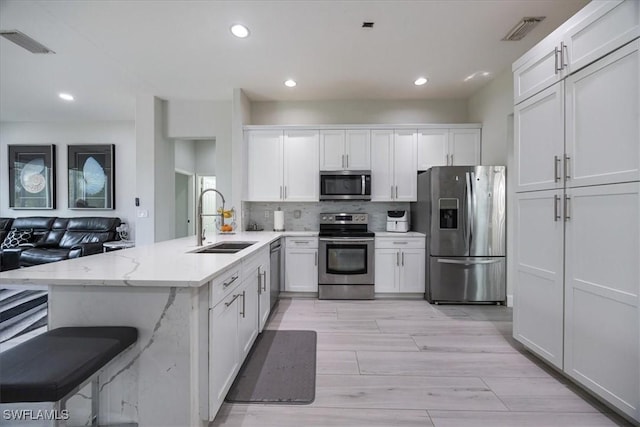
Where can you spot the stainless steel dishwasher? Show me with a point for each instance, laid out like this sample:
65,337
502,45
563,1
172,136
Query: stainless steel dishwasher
276,271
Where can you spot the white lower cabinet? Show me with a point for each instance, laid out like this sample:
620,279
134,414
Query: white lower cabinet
538,258
248,313
602,287
264,291
301,264
224,350
233,327
400,265
577,286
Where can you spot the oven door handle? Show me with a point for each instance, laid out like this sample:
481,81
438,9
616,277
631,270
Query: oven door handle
347,240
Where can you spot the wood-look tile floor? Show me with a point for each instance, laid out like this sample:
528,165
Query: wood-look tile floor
408,363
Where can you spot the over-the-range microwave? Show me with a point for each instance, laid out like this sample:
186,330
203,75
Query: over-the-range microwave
345,185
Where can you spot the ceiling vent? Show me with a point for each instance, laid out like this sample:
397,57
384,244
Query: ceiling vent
523,28
25,41
367,24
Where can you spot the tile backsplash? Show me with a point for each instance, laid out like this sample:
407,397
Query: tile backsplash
304,216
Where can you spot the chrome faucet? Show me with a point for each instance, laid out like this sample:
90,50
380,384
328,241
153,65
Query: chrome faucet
199,228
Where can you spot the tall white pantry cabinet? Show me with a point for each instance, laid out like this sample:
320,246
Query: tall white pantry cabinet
576,263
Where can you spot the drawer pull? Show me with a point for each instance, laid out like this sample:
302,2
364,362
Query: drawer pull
226,284
400,243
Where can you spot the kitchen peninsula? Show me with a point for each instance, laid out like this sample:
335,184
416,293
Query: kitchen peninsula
170,294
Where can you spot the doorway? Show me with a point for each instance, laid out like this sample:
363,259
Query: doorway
184,197
209,204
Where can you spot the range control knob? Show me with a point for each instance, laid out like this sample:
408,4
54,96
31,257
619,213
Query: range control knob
324,218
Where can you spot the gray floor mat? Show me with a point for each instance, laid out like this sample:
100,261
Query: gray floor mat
281,368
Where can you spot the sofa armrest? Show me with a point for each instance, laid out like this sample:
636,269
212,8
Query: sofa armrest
84,249
9,259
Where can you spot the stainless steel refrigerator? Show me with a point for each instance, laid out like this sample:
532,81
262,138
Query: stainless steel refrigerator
462,211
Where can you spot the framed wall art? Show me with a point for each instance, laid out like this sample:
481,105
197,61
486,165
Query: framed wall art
91,176
32,177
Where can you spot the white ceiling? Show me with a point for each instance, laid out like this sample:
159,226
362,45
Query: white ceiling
109,51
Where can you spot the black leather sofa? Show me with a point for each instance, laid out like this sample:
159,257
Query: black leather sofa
56,239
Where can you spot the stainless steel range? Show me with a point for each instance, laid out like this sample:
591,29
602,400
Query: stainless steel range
346,257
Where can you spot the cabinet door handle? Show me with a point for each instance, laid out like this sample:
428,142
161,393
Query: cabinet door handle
403,259
347,156
316,259
398,259
264,281
235,297
567,200
567,161
392,192
556,168
285,191
452,160
244,297
259,281
556,204
555,54
563,58
226,284
281,192
343,162
396,192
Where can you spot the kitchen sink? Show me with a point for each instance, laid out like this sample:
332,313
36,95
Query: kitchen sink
225,248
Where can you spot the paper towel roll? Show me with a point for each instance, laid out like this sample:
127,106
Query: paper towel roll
278,220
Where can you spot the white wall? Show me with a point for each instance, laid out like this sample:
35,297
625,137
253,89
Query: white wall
358,112
491,106
185,157
120,133
194,119
205,152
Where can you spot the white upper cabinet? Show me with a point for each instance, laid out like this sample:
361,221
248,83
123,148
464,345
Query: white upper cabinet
433,148
283,166
358,149
332,150
301,172
382,179
599,28
602,114
405,166
264,165
539,140
464,147
540,72
448,147
345,149
611,25
394,166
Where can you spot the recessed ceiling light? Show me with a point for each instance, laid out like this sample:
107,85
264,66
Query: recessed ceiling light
420,81
66,96
290,83
239,31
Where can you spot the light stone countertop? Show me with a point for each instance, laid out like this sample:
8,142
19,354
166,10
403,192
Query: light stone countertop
164,264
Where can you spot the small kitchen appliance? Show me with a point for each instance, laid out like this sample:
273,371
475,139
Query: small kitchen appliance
398,221
346,257
345,185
